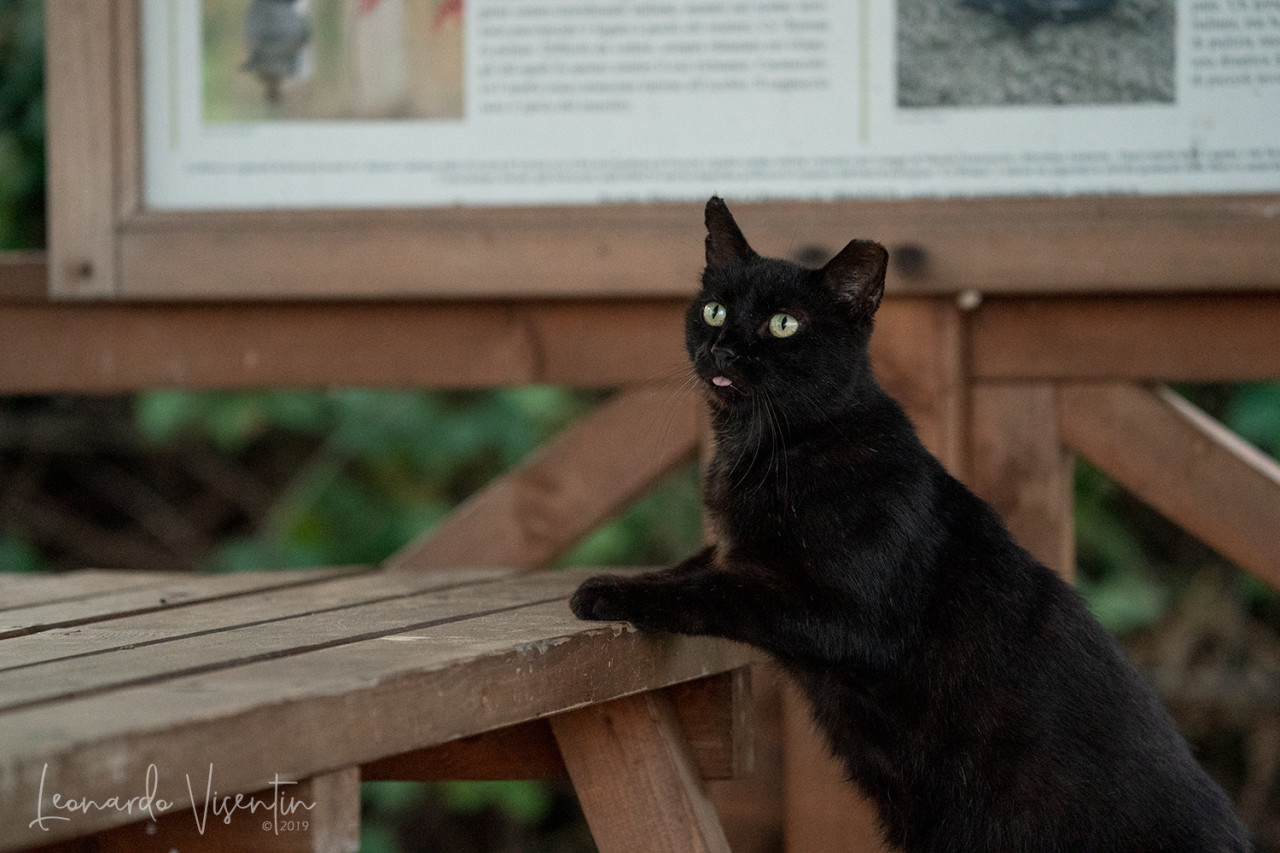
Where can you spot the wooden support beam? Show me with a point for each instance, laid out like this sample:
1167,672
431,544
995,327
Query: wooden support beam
75,348
636,779
1185,464
713,712
1220,338
584,476
1018,464
83,148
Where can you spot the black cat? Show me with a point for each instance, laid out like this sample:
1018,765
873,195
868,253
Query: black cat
965,687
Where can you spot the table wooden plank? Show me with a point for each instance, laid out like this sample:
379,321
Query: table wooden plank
221,615
156,592
123,657
24,590
335,707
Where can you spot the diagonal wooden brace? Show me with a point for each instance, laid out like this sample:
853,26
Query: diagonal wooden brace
635,778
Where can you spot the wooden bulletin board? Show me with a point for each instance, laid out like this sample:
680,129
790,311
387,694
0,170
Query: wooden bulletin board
1173,204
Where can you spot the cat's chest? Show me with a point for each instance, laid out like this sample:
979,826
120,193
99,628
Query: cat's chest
758,505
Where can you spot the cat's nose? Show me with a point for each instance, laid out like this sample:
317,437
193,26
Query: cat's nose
723,356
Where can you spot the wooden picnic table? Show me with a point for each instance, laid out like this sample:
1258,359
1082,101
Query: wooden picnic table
132,695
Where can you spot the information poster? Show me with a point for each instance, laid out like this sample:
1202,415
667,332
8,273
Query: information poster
258,104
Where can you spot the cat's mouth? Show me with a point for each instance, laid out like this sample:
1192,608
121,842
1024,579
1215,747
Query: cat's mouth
723,388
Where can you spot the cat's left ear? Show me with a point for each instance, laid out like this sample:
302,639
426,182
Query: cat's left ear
856,275
725,243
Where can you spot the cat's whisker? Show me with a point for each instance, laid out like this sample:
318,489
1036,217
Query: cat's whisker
677,392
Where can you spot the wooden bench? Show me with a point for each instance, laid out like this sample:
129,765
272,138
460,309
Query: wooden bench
123,689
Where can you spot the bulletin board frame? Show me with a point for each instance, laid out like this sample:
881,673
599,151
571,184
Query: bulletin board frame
104,244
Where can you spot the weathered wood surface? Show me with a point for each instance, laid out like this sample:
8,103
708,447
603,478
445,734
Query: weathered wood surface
598,466
83,596
359,684
1185,464
636,780
713,714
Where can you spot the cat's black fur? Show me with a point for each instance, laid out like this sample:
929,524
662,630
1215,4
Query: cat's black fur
964,686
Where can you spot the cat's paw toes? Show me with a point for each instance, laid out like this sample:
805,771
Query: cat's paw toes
599,599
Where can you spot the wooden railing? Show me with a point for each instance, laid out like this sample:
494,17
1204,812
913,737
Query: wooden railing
1005,390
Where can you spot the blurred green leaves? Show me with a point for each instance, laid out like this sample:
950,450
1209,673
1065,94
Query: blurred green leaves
22,205
16,555
380,466
1253,411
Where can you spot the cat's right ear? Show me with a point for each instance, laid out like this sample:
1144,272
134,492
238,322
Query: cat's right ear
856,275
725,243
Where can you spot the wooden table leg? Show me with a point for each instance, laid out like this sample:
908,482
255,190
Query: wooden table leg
637,784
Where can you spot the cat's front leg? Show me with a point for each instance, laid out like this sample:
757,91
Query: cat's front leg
656,601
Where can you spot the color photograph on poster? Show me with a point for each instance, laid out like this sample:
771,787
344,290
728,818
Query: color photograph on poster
280,60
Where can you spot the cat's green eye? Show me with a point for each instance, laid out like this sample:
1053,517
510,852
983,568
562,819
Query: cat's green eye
783,325
714,313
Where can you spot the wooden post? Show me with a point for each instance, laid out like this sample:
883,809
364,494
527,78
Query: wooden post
83,162
635,779
1017,463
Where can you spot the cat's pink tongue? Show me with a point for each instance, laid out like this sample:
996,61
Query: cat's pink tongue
722,381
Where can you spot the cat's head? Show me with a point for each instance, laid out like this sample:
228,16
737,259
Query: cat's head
768,331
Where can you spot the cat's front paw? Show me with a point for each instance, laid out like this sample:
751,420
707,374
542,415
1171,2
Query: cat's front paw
601,598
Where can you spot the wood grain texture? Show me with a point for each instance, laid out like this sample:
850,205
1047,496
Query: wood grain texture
751,807
113,348
573,483
160,645
80,79
636,779
341,705
78,598
713,714
1183,463
1205,338
1019,465
993,245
